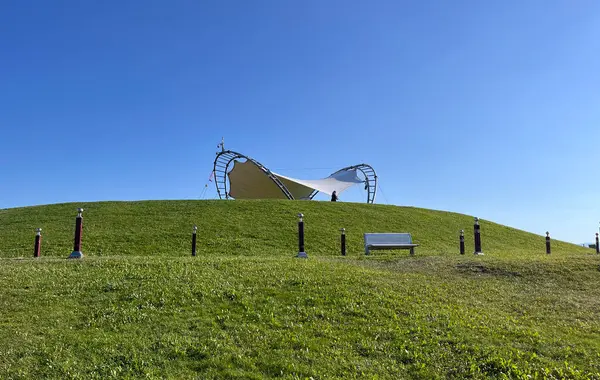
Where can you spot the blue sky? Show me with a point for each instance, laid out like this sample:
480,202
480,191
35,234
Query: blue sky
489,108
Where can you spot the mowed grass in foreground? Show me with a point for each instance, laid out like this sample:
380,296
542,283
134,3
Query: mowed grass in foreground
139,306
385,317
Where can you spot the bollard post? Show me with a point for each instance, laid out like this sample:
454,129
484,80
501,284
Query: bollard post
194,240
38,243
301,253
547,242
477,230
77,254
462,242
343,241
597,247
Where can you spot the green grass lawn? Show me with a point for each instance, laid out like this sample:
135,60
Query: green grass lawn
139,306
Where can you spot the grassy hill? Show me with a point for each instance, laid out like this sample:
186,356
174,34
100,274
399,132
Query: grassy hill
139,306
263,227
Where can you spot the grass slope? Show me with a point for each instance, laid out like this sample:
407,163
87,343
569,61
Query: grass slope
244,308
263,227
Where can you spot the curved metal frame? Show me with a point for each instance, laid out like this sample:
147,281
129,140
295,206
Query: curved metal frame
225,157
370,179
221,167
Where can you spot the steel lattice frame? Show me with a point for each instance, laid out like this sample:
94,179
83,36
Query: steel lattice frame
221,167
370,179
224,159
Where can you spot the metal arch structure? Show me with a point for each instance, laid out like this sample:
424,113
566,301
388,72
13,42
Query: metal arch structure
226,157
221,167
370,180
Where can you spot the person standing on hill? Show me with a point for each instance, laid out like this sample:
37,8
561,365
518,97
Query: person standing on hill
334,196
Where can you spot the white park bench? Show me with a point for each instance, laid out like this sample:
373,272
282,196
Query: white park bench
389,241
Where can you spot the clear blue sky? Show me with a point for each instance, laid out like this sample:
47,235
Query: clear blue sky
489,108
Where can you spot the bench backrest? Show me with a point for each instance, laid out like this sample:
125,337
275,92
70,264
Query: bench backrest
388,238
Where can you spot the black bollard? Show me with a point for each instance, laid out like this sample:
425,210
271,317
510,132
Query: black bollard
194,241
77,254
547,242
477,229
597,246
462,242
301,252
38,243
343,241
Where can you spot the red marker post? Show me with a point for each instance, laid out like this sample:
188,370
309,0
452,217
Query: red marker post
77,254
37,248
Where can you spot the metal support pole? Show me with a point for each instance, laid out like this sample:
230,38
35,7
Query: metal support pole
77,254
477,229
301,252
38,243
194,241
343,241
462,242
547,242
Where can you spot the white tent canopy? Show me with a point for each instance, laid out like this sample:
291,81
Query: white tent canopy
248,181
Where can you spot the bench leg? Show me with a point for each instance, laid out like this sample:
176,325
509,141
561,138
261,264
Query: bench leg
412,251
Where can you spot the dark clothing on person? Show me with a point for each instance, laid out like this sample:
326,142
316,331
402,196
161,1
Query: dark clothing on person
334,197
